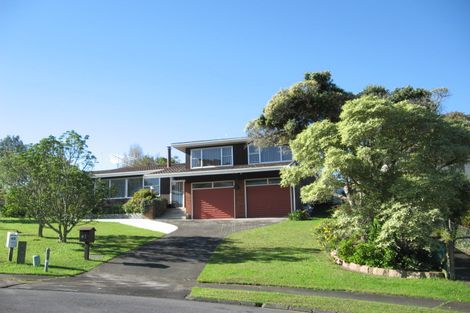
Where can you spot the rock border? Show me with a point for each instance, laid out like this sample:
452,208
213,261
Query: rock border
386,272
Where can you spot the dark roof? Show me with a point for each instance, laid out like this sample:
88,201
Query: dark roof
130,169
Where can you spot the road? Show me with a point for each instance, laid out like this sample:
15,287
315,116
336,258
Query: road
44,301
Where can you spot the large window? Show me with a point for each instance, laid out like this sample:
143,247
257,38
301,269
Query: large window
268,154
153,184
126,187
207,157
117,188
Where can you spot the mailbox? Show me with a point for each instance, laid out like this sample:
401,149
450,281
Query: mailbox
87,234
12,240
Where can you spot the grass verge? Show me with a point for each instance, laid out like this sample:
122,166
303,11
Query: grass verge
288,254
311,302
66,259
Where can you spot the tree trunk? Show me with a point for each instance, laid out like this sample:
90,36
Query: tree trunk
450,259
40,229
450,252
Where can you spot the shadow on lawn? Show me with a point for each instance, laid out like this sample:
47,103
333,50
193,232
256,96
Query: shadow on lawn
228,252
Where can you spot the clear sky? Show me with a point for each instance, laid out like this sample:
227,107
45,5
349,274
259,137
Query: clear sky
152,73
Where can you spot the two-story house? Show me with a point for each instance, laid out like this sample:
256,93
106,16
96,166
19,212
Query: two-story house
222,178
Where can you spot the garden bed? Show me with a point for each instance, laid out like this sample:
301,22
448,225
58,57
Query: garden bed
365,269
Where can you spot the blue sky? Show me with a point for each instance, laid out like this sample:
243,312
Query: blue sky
152,73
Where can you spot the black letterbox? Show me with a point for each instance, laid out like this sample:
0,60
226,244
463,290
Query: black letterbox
87,234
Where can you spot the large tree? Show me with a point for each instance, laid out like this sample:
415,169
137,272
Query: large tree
398,166
53,183
135,157
291,110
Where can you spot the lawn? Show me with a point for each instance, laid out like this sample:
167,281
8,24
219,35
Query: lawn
311,302
112,239
287,254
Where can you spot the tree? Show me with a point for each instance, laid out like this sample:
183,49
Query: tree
398,164
430,99
9,146
54,185
136,158
291,110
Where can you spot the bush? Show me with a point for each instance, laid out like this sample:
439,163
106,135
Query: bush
466,220
326,235
140,201
299,215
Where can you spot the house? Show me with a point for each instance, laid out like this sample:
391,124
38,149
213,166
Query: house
221,178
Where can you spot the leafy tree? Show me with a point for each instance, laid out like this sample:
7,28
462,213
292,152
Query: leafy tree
430,99
291,110
53,184
398,165
136,158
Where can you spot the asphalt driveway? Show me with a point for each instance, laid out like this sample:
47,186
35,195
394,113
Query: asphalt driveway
165,268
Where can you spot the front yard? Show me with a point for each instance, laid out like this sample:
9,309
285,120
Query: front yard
287,254
112,239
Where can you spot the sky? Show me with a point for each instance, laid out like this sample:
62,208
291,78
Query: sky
156,72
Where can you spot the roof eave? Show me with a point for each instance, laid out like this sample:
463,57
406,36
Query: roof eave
222,172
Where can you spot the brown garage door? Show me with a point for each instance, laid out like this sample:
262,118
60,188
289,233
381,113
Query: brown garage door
265,198
213,202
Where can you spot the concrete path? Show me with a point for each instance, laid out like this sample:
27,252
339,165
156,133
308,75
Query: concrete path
162,227
165,268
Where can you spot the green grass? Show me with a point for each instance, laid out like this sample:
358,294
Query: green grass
311,302
287,254
112,239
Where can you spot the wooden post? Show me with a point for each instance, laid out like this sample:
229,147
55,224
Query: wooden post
21,254
46,262
87,251
10,254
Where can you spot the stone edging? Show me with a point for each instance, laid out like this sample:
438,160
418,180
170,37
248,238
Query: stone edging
365,269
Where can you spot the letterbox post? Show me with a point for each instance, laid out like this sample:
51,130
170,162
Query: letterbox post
12,241
87,236
21,253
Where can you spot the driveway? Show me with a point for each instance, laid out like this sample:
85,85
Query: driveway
165,268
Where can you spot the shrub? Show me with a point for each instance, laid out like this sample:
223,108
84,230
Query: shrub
326,235
466,219
299,215
140,201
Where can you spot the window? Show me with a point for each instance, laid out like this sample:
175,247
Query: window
207,157
263,181
268,154
117,188
133,185
215,184
152,184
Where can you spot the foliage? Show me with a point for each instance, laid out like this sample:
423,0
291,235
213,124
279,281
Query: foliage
136,158
287,254
291,110
51,183
399,165
430,99
140,201
299,215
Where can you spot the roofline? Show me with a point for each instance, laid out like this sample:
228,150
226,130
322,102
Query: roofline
211,142
221,172
129,173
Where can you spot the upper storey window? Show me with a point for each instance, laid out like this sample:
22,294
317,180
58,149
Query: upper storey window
207,157
268,154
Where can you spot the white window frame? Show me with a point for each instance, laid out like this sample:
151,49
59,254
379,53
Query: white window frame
266,179
159,183
212,184
221,157
266,162
126,186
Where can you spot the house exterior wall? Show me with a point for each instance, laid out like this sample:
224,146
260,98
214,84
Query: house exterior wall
240,153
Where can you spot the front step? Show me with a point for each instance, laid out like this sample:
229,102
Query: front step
174,214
